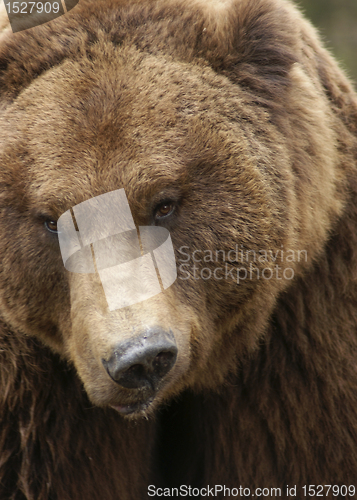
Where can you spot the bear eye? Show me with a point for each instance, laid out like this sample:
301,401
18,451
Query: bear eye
51,226
164,209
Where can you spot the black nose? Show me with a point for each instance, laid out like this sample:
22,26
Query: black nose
143,361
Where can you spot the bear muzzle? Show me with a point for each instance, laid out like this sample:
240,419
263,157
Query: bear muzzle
143,362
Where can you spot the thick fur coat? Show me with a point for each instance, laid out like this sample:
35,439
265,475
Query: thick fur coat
234,115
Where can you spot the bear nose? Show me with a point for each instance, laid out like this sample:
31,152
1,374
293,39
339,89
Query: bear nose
143,361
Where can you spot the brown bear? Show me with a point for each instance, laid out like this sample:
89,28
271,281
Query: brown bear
229,125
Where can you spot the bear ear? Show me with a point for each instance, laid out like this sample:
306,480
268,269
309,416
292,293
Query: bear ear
253,43
22,58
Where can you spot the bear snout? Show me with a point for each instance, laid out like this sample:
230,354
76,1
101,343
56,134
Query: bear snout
143,362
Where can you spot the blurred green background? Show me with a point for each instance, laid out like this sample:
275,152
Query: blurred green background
337,23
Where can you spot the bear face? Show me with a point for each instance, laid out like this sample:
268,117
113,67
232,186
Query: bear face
172,129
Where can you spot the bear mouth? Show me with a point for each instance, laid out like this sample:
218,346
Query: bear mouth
132,409
137,404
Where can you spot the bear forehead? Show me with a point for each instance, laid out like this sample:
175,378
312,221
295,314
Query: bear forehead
102,122
132,104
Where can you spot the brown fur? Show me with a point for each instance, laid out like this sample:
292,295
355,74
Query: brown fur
235,112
